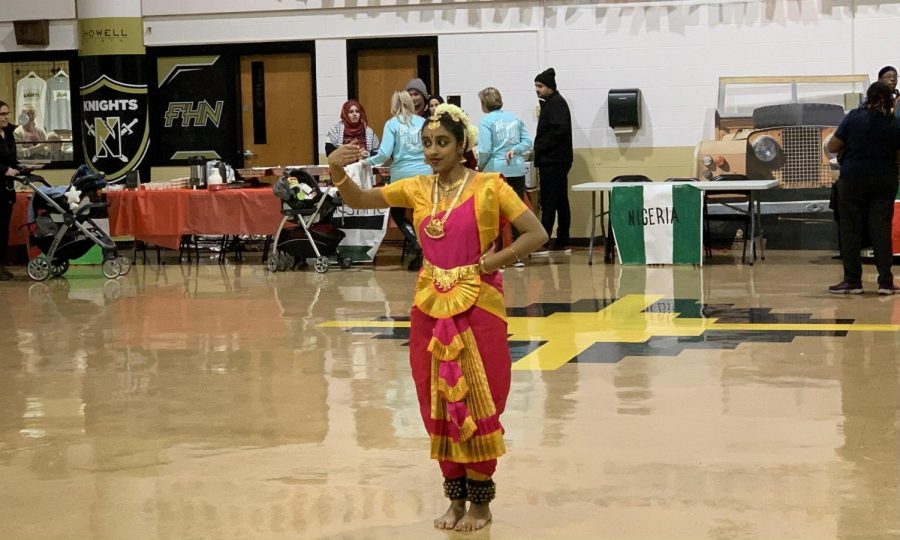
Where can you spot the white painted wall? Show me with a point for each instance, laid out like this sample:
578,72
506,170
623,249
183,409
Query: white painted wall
95,9
63,36
674,51
24,10
61,14
191,7
331,84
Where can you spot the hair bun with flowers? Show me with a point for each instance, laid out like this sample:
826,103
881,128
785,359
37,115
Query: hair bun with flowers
459,116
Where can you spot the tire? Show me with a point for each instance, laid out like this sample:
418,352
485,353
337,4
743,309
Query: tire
272,262
346,263
59,268
321,264
111,268
39,268
124,265
797,114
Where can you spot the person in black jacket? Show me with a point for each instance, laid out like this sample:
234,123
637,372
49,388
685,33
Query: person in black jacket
9,167
553,158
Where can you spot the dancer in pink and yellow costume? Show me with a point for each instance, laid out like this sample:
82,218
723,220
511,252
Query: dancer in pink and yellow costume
459,352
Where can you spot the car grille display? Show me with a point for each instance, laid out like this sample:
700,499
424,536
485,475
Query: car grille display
805,163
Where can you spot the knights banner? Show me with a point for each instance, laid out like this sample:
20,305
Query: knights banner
657,223
115,127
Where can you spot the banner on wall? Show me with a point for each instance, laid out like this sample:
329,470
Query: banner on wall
114,125
196,117
657,224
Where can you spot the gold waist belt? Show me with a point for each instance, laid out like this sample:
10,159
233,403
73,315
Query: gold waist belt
446,278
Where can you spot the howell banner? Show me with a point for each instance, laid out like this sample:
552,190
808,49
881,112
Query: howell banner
115,125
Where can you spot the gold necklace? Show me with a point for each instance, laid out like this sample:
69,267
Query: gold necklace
435,227
454,184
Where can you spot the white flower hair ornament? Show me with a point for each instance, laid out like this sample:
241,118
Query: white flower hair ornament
458,115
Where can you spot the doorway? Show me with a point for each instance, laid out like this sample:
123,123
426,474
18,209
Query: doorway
377,68
277,109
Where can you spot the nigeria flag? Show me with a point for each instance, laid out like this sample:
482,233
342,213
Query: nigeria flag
657,223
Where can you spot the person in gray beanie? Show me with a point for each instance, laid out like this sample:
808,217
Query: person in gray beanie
553,159
419,93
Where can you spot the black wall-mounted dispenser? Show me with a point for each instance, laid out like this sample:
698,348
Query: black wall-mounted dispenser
624,105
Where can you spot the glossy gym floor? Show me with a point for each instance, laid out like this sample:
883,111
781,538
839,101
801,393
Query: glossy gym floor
225,402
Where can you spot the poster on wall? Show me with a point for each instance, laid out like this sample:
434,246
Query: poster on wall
115,127
196,116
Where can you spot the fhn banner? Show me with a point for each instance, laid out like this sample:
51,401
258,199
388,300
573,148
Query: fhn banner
657,224
116,130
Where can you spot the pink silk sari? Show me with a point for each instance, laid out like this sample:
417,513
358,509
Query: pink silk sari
459,352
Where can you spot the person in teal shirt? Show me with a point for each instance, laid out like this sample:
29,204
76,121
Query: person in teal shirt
401,142
503,143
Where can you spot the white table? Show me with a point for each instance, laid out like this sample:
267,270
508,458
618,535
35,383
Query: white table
748,187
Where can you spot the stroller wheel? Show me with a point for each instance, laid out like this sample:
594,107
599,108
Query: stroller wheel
346,263
39,268
124,265
59,268
321,264
111,268
272,262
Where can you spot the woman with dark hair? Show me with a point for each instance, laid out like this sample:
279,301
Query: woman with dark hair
9,168
458,348
353,127
867,142
433,102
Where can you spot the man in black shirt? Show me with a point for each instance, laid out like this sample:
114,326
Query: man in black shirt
553,158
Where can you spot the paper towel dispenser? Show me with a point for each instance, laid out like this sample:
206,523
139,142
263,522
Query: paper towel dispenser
624,105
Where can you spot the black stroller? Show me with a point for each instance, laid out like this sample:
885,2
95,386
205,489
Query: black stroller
61,225
312,235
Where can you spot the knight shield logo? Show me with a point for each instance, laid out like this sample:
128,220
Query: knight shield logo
115,126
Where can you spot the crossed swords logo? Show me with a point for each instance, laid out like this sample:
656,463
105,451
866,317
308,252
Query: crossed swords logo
105,128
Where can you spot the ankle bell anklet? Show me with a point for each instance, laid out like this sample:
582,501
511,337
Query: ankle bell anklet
455,488
481,491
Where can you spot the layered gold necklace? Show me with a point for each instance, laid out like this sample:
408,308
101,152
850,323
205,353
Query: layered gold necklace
435,227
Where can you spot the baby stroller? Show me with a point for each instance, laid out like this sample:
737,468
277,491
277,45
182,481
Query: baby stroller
61,225
312,235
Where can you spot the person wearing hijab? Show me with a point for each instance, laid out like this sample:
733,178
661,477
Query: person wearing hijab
352,128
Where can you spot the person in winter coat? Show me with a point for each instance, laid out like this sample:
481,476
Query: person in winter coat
553,159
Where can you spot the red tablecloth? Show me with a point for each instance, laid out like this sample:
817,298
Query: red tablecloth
162,217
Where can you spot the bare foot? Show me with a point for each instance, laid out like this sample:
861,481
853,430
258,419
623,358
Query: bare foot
452,516
477,517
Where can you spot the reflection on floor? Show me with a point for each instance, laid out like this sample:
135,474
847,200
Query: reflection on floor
226,402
